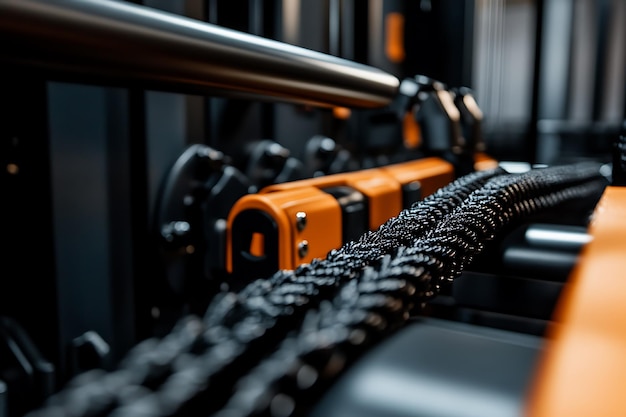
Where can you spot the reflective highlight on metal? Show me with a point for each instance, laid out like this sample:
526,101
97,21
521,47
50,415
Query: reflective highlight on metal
122,41
562,237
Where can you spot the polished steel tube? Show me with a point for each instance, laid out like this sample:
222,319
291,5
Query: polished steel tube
120,41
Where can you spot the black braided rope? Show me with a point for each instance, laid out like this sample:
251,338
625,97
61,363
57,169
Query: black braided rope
380,298
409,224
195,366
225,340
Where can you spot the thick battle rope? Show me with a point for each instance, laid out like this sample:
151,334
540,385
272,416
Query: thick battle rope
380,298
356,295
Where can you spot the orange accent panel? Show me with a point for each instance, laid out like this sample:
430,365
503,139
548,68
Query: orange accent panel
432,173
383,192
583,370
323,229
394,37
271,206
342,113
325,181
384,196
257,246
483,162
382,185
411,131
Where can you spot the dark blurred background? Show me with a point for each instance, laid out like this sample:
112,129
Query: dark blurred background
86,161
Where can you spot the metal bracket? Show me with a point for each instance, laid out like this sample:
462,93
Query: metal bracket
190,220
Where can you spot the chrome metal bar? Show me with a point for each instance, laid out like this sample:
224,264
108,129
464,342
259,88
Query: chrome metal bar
122,41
